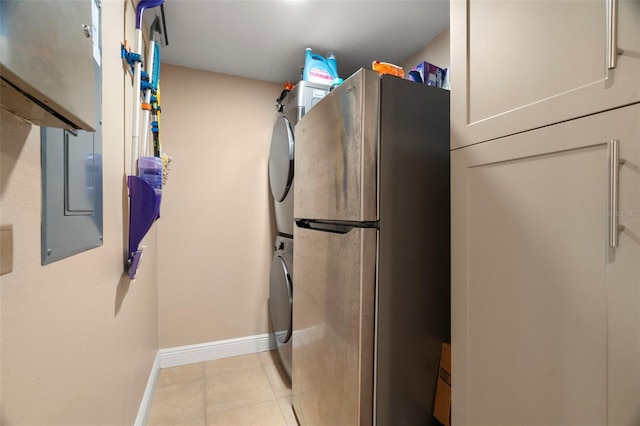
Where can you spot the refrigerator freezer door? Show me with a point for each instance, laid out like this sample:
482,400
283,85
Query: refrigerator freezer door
337,154
333,317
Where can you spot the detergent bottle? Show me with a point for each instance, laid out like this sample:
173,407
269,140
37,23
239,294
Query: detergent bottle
317,69
331,60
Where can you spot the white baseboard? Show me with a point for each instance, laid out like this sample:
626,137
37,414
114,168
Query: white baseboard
145,405
201,352
181,355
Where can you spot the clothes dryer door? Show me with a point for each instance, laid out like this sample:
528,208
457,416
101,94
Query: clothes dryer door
280,299
281,158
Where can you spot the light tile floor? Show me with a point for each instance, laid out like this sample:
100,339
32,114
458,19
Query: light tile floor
239,391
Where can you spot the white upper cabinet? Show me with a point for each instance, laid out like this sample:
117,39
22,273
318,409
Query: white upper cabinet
521,65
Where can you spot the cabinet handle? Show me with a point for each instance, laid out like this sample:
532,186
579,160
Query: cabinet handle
614,192
612,31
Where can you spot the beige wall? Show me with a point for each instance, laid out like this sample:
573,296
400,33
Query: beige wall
78,339
215,236
436,53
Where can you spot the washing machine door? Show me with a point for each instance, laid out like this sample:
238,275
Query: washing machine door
281,158
280,300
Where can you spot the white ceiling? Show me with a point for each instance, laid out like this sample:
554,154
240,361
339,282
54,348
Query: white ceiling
266,39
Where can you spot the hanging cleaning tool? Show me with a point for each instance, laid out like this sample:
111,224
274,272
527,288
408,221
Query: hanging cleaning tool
155,123
155,129
155,103
166,162
144,196
137,72
149,83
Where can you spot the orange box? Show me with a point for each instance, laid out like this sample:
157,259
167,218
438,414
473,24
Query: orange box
442,408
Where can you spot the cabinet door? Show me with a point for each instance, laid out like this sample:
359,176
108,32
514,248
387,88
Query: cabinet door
623,278
520,65
545,315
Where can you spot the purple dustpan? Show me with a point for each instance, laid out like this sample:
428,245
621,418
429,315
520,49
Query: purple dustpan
144,209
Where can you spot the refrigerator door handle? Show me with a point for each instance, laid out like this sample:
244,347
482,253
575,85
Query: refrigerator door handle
337,228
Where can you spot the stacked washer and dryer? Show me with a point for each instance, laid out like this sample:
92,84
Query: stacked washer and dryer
281,166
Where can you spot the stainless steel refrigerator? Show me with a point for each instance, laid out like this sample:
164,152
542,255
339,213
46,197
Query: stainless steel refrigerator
372,299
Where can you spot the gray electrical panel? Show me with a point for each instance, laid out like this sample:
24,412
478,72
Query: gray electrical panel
72,217
71,192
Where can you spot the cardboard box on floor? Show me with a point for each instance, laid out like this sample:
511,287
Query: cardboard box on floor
442,408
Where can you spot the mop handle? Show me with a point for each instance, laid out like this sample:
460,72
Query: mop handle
136,106
135,142
153,66
147,100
